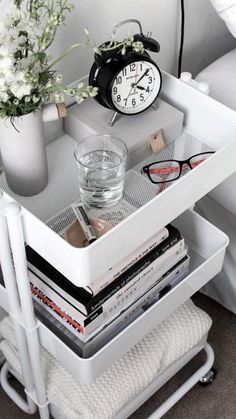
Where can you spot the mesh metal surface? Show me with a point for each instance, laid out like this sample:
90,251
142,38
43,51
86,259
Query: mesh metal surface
53,204
137,191
182,148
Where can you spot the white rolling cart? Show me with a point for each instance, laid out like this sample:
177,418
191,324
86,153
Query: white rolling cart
22,221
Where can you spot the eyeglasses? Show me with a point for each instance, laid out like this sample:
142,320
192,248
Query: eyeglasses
170,170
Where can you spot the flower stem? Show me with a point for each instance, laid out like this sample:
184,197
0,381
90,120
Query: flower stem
67,52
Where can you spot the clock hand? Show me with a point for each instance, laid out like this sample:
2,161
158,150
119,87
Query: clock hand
136,76
133,84
144,74
141,88
130,92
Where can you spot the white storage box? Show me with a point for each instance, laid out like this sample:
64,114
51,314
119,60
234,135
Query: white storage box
91,118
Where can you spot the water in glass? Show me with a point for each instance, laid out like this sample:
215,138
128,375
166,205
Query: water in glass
101,177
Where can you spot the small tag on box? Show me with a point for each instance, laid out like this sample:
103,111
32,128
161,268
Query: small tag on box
62,111
156,141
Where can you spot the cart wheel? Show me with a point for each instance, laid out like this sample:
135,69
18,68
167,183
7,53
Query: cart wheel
208,378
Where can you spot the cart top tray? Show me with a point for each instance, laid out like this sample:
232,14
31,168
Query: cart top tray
208,125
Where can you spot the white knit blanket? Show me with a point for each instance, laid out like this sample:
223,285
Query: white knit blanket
122,382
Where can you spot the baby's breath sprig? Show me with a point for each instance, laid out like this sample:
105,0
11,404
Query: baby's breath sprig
121,46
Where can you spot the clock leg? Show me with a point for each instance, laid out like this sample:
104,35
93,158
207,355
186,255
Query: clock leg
155,106
113,119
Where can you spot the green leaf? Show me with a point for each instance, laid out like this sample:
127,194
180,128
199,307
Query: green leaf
44,77
18,3
42,56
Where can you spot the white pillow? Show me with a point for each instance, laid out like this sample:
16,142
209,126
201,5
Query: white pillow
226,9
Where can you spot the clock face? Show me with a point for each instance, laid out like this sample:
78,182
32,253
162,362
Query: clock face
135,87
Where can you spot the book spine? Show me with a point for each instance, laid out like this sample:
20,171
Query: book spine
45,272
65,317
54,309
93,339
136,270
119,302
145,278
88,324
135,310
126,263
51,298
152,291
49,283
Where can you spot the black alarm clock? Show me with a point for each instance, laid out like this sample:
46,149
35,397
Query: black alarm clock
127,83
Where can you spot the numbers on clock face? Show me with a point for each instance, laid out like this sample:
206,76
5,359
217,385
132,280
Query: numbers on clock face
135,87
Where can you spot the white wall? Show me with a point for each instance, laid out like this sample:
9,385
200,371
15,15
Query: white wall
206,35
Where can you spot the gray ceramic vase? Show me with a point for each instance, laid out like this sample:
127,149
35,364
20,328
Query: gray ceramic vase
23,152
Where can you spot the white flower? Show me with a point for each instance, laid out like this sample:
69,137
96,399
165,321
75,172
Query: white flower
20,90
3,97
59,98
93,92
4,52
2,82
27,99
79,99
80,85
56,19
2,30
138,46
9,77
35,99
20,76
22,39
59,78
5,64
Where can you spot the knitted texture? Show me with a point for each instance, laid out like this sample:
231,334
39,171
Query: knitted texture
127,377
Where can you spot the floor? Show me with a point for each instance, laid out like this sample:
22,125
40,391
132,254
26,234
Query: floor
217,401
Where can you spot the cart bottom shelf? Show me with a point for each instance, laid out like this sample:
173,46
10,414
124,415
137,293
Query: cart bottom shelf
130,381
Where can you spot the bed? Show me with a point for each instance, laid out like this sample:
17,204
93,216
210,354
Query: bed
219,206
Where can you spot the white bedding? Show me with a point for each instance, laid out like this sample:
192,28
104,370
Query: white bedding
226,9
105,397
219,206
221,76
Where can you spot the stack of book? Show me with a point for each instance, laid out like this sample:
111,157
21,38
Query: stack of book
117,297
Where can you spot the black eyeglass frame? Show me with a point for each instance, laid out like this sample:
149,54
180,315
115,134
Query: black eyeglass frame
145,169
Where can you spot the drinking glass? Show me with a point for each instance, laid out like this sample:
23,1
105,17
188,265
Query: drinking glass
101,161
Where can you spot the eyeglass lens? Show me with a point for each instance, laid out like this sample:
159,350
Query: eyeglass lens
165,171
196,160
